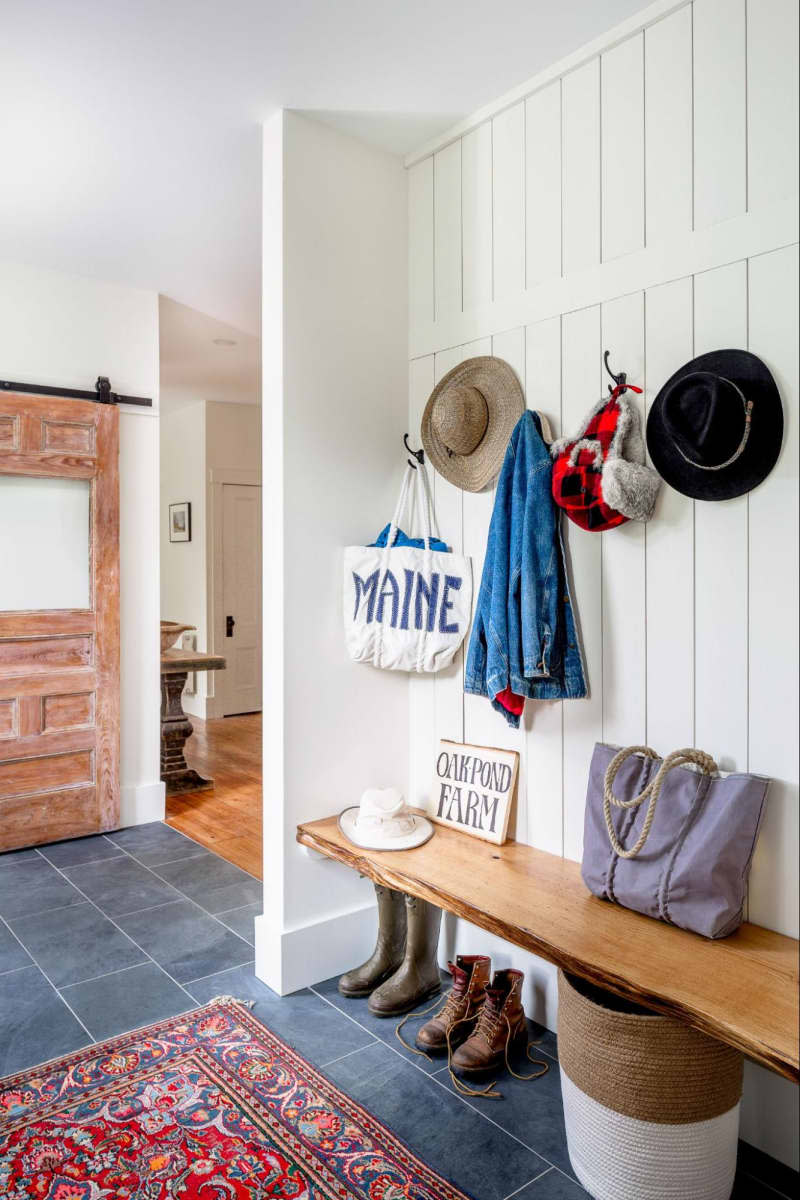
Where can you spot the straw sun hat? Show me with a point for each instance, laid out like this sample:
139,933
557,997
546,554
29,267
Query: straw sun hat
468,420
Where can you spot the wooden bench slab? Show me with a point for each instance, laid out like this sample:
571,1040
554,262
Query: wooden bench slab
742,989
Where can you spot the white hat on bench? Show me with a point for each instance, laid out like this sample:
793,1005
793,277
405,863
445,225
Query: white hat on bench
383,821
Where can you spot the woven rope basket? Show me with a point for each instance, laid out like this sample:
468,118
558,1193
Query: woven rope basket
651,1106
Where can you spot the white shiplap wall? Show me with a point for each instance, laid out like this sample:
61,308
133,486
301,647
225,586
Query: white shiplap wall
645,202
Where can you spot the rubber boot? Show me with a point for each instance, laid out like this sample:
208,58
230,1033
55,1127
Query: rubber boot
417,978
470,980
388,953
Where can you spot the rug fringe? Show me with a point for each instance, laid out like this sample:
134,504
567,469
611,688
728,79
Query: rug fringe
231,1000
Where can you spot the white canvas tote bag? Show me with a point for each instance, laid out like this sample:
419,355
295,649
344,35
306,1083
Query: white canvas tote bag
406,609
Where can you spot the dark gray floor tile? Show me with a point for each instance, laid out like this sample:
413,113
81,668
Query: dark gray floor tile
755,1164
126,1000
384,1027
531,1110
311,1026
120,885
12,956
747,1187
212,882
16,856
553,1186
154,843
35,1023
242,920
80,850
450,1137
75,943
33,886
186,941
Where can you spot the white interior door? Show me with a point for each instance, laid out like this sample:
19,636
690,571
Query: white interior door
241,595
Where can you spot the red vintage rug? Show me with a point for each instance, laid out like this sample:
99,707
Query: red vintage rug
207,1106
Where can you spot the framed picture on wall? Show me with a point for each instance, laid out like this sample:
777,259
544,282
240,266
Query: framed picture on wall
180,521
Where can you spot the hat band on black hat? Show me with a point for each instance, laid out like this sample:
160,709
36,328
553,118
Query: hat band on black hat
748,414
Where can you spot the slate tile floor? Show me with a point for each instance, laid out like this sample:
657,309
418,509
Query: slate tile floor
105,934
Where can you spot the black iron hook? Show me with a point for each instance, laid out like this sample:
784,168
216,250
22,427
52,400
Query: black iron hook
619,380
419,455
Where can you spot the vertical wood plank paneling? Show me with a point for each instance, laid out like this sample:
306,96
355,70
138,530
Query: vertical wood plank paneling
447,230
448,499
772,96
668,126
476,189
720,141
583,719
482,725
544,734
670,543
690,625
774,658
720,320
422,712
543,185
622,166
508,155
624,628
580,153
420,243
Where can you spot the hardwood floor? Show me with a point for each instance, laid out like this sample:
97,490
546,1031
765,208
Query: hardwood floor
226,819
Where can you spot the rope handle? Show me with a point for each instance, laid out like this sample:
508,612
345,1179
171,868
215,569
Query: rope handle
650,793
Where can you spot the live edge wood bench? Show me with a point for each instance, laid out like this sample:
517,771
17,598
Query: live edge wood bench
742,990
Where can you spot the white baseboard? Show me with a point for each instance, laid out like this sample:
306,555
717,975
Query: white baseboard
296,958
140,803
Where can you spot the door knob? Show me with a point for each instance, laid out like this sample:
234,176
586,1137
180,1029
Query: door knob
229,624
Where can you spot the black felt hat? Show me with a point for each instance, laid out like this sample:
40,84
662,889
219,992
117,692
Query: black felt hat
715,429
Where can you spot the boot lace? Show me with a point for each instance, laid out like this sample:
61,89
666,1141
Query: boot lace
488,1021
452,1012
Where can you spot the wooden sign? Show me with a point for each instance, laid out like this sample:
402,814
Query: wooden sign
473,789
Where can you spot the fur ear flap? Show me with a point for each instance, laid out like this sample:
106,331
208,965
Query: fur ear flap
630,488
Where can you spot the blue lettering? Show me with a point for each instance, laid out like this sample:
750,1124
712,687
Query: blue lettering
431,595
454,582
365,587
407,597
393,593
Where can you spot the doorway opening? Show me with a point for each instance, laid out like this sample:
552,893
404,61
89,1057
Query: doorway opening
211,562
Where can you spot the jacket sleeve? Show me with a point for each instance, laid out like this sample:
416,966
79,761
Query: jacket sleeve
475,669
539,583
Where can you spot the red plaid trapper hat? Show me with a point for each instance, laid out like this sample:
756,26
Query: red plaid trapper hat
578,468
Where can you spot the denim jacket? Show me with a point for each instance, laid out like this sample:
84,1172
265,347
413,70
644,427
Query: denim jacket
523,636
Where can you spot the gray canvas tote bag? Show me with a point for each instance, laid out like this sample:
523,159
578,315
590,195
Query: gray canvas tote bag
671,840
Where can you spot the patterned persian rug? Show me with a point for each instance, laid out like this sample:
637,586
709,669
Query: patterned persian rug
207,1106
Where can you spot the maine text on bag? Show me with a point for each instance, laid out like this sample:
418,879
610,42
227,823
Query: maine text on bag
473,789
411,602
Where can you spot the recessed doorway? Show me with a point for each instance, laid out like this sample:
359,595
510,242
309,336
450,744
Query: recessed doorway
211,582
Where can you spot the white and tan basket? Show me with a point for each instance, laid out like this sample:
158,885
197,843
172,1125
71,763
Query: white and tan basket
651,1106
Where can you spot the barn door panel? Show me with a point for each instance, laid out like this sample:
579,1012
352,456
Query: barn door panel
59,619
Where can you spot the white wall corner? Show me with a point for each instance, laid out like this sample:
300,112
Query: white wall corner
297,958
142,802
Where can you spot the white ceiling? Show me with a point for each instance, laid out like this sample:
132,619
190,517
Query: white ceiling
194,366
129,135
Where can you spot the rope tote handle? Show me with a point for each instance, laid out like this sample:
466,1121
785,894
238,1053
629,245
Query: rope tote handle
650,793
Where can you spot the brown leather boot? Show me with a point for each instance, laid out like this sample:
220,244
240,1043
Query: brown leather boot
470,979
500,1024
417,978
388,953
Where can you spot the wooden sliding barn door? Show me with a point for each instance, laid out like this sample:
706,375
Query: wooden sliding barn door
59,619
